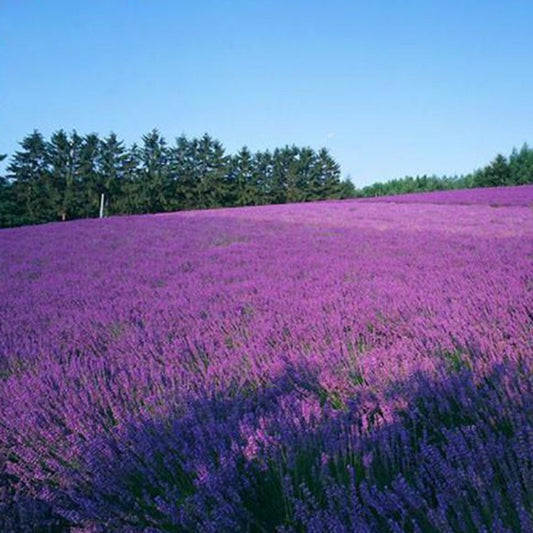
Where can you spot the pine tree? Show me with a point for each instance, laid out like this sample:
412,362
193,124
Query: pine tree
497,173
9,215
182,165
330,174
263,176
347,189
211,170
115,169
521,165
280,169
29,170
65,156
306,175
154,180
243,189
89,176
291,163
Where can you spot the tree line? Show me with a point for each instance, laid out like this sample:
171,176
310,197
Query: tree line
63,177
517,169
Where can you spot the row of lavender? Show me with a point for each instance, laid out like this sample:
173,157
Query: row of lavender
493,196
344,366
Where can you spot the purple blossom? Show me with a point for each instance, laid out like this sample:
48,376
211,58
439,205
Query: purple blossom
337,366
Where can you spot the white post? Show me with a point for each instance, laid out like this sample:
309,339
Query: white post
102,197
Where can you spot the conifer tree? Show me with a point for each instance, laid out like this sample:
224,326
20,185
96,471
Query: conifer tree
64,154
116,168
330,174
497,173
153,182
263,170
29,170
182,159
89,175
211,173
521,165
244,190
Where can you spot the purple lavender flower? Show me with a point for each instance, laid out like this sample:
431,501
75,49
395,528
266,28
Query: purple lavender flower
338,366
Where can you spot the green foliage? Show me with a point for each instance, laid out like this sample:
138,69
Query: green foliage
28,181
64,178
496,174
411,184
65,182
242,182
515,170
521,165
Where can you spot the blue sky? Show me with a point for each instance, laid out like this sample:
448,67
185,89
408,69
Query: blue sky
389,87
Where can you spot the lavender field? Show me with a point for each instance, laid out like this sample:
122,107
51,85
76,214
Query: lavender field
360,366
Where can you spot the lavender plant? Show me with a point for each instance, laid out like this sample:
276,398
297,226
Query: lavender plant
329,367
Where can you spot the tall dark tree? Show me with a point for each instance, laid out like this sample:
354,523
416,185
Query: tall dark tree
10,215
347,189
307,176
89,176
182,168
116,171
497,173
263,176
29,170
293,177
64,152
330,174
243,188
151,185
128,201
521,165
211,173
281,163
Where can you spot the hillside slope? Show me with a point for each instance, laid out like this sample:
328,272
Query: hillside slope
337,366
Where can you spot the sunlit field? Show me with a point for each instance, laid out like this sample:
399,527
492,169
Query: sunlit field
338,366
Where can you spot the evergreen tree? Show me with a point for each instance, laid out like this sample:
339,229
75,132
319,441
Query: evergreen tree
243,189
281,168
301,173
64,154
521,165
182,168
116,170
497,173
129,176
314,183
9,214
153,184
211,173
291,164
89,176
330,175
347,189
30,173
263,176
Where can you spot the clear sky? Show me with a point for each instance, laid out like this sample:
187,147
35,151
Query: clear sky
390,87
